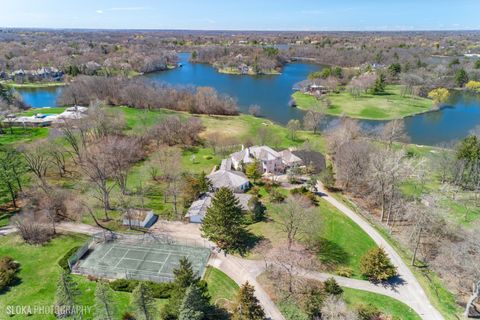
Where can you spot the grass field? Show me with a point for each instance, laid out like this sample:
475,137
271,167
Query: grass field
35,84
40,271
220,286
22,135
387,106
354,299
435,289
343,243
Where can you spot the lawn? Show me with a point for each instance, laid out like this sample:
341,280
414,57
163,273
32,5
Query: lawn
387,305
34,111
35,84
354,299
40,271
435,289
39,274
390,105
220,286
343,243
20,135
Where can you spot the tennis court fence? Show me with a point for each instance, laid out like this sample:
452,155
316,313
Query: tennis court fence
131,239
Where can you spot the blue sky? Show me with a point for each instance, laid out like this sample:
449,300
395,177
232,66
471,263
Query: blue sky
243,14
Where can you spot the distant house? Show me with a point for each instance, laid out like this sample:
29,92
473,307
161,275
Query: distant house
234,180
316,89
198,209
272,162
43,120
139,218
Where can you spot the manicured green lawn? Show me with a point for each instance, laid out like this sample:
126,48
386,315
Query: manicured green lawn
220,286
387,106
35,84
387,305
343,243
23,135
435,289
354,299
34,111
40,271
39,274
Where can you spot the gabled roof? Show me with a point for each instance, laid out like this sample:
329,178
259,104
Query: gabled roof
289,157
264,153
226,164
227,178
200,206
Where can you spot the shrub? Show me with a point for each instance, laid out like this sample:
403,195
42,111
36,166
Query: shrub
8,269
331,287
128,316
159,290
368,312
63,262
376,265
344,272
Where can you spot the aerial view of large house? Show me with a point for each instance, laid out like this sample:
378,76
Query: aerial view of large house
226,177
272,162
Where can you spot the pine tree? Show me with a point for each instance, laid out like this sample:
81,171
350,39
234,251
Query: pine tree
105,308
185,277
223,223
247,306
461,77
143,302
66,297
376,265
194,305
379,86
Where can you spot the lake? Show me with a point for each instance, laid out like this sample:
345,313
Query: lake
272,93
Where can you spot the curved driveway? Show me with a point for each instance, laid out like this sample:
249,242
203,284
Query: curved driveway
408,289
242,270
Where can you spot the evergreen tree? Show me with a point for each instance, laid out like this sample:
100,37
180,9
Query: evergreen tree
380,83
185,277
247,306
223,223
143,302
376,265
194,305
66,297
461,77
6,93
105,308
332,287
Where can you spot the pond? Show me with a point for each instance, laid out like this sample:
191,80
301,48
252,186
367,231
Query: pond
272,93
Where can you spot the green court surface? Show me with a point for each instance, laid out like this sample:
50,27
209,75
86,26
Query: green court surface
152,261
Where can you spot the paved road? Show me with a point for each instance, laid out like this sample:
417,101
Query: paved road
409,289
242,270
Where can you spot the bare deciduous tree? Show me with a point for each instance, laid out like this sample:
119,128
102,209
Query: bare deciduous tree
295,216
313,120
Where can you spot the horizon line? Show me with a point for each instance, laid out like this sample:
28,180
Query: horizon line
236,30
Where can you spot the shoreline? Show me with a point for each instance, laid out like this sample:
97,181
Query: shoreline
359,117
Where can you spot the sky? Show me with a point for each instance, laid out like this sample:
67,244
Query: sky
301,15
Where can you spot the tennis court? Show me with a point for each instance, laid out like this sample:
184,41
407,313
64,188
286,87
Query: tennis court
153,261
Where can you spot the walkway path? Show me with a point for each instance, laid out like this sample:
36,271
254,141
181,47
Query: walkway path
242,270
409,289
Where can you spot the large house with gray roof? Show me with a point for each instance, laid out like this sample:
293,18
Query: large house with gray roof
273,162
